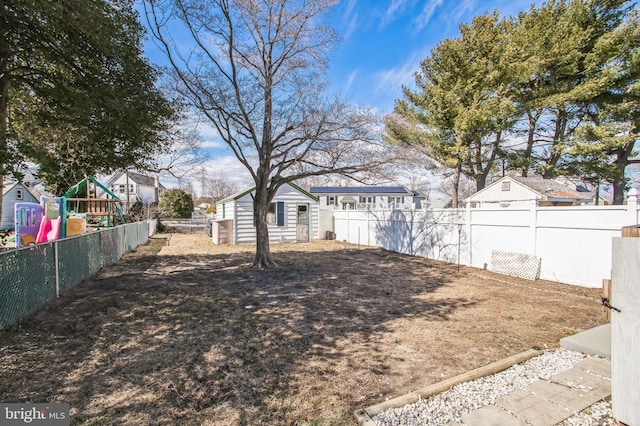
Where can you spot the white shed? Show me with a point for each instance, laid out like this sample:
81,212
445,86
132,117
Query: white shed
13,193
293,217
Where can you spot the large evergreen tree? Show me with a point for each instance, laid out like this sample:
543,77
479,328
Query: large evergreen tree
563,75
605,143
460,108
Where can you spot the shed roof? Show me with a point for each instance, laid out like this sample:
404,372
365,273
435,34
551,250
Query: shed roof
246,191
338,190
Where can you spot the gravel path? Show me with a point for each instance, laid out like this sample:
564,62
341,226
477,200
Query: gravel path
451,405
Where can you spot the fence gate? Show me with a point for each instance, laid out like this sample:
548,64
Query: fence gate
625,330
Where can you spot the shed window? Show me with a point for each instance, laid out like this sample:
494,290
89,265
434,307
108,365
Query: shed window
19,194
275,214
506,186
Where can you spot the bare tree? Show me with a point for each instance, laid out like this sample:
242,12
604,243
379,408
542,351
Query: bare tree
255,71
183,157
219,187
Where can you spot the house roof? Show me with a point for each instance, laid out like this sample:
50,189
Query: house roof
344,190
551,189
137,178
8,186
246,191
546,189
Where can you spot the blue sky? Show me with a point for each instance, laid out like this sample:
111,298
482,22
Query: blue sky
382,45
384,42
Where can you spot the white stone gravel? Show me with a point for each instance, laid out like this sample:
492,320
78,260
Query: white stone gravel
451,405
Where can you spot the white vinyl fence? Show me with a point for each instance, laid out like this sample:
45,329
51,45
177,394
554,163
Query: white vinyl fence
571,245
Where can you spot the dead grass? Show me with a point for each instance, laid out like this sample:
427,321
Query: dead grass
185,332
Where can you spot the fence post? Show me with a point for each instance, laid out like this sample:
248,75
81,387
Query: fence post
56,267
468,232
632,205
533,231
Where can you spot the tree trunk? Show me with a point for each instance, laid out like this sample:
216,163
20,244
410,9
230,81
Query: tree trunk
526,164
618,192
262,258
621,162
456,185
483,171
557,149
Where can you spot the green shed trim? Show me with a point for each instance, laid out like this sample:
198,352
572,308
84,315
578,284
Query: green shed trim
242,193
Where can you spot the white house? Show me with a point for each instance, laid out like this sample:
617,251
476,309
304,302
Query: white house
366,197
145,189
12,193
293,217
516,191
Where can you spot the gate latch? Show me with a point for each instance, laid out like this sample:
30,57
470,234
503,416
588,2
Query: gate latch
605,302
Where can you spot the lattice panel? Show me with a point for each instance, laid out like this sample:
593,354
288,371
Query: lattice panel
516,264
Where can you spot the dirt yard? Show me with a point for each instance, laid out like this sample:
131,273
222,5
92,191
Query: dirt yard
182,332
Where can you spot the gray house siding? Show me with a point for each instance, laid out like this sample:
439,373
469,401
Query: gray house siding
9,199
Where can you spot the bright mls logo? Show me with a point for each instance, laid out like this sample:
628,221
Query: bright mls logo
34,414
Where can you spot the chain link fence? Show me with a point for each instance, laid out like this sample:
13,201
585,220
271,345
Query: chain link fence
31,276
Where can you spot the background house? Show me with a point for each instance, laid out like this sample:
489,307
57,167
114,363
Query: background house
293,217
514,191
12,193
145,189
366,197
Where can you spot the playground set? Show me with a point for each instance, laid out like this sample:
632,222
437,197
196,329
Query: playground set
60,217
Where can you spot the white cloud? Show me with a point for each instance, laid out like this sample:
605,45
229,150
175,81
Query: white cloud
225,166
396,7
351,5
349,19
230,168
210,137
391,80
425,16
351,79
462,9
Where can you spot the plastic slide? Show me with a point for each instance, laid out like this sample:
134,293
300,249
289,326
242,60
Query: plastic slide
49,230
